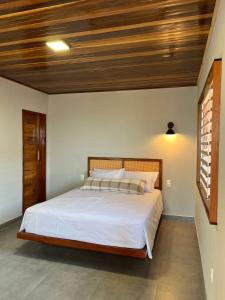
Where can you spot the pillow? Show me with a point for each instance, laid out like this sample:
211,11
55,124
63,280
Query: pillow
107,173
149,177
131,186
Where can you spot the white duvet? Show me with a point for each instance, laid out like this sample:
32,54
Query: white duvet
107,218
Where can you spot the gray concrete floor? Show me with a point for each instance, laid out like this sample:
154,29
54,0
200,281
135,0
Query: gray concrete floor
33,271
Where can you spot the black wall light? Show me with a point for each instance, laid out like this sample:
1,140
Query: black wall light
170,128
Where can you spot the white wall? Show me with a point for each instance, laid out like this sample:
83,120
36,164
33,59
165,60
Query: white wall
14,98
212,238
125,124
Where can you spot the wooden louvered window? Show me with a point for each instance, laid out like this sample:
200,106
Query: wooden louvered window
208,141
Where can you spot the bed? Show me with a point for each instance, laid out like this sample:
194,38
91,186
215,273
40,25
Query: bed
110,222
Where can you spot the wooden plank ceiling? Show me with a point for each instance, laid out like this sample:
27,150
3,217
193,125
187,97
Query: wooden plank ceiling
115,44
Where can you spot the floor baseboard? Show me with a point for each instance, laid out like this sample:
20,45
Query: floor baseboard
178,218
3,225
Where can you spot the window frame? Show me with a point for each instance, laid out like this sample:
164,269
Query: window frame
213,82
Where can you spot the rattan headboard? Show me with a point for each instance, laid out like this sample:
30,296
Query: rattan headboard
130,164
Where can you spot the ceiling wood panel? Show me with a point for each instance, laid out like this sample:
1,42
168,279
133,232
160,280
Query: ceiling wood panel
115,44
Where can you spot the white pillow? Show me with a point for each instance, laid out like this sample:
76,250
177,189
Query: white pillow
108,173
149,177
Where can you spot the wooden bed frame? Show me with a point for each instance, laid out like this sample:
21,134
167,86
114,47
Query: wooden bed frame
130,164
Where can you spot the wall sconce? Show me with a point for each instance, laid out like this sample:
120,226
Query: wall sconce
170,130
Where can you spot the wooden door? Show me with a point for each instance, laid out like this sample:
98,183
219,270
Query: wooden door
34,158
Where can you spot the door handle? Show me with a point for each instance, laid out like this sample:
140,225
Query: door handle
38,156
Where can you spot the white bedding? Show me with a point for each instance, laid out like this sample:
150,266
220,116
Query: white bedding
107,218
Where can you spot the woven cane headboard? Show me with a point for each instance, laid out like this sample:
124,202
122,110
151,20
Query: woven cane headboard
130,164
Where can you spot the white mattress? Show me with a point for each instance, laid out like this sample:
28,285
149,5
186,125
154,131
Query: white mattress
107,218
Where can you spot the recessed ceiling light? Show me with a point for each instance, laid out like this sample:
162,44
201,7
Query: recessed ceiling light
58,45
